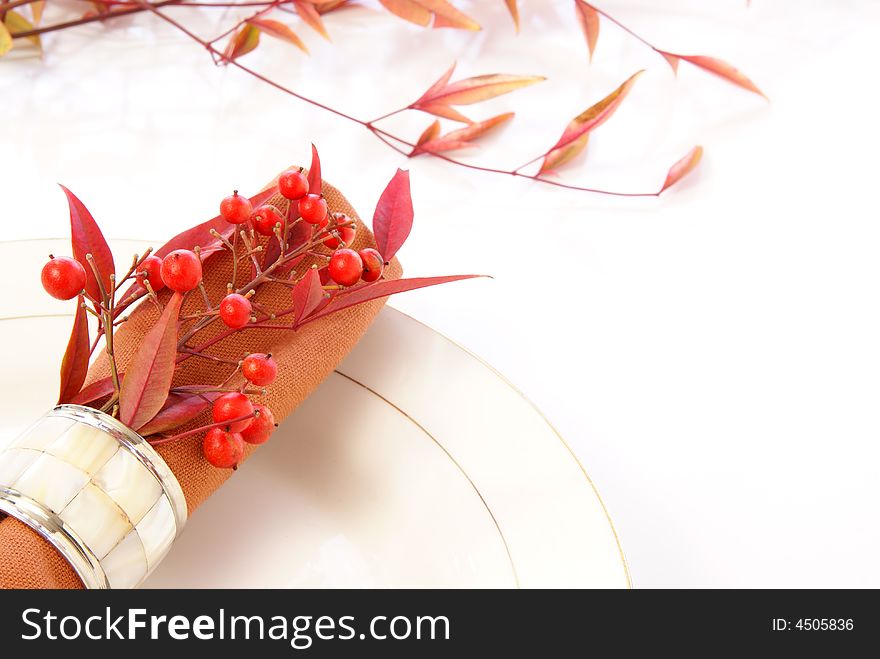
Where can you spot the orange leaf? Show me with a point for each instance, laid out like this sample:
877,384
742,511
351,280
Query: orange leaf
428,134
583,124
564,154
329,5
723,70
462,137
445,15
408,10
589,20
444,111
683,167
441,95
278,30
514,12
310,16
242,42
75,364
5,40
37,10
480,88
16,23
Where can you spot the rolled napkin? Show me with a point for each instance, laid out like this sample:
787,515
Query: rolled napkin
305,358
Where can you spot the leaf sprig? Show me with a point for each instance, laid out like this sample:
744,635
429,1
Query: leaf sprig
442,99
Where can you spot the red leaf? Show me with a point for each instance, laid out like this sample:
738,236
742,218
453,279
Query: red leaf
589,20
315,172
279,30
460,138
177,411
95,391
574,138
200,235
393,218
683,167
310,16
721,69
75,364
242,42
86,238
382,288
307,295
299,235
148,378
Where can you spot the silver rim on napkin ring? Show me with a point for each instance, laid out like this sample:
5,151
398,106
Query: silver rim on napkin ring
97,491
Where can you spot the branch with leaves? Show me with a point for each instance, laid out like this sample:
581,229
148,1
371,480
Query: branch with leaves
443,99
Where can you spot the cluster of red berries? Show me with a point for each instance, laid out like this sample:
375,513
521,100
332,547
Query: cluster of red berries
346,266
64,278
236,419
239,420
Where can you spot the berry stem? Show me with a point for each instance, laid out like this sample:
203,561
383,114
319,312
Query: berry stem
200,429
212,358
388,115
135,264
233,247
106,307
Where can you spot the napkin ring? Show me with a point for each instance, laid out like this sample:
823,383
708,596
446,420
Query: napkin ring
97,491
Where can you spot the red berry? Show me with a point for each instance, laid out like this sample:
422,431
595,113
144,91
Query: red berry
346,237
63,277
181,270
345,267
235,310
265,218
223,449
293,184
374,264
236,209
313,209
262,427
259,369
232,406
151,270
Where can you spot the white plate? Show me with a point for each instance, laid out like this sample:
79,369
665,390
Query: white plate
414,465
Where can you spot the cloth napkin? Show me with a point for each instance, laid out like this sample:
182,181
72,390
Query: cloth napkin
305,357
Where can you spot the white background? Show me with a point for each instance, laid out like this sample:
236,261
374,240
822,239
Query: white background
712,356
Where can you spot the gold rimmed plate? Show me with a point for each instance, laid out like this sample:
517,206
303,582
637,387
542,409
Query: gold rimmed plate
413,465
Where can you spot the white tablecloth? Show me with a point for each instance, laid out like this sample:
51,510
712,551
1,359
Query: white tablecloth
712,356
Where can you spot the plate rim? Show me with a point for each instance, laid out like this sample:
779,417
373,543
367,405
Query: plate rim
544,418
492,369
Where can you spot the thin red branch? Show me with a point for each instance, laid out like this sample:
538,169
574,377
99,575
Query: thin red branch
200,429
392,141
